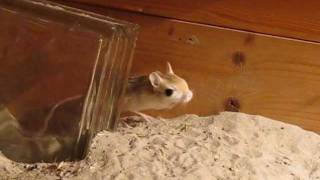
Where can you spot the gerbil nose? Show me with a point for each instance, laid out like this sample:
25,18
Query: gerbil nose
188,97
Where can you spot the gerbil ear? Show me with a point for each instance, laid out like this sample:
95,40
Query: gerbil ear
155,79
169,69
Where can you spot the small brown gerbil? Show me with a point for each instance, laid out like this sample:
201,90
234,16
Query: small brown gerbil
156,91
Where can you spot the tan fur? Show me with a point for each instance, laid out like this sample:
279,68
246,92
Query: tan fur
142,94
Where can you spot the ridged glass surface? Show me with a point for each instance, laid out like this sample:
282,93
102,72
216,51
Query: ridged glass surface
63,72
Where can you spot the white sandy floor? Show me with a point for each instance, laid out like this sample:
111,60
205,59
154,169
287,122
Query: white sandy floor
227,146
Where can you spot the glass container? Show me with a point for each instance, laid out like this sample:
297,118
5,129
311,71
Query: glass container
63,73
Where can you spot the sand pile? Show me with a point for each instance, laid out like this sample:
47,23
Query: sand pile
227,146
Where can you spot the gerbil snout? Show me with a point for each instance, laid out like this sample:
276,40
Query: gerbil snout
187,97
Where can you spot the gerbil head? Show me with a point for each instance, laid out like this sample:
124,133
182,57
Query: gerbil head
170,87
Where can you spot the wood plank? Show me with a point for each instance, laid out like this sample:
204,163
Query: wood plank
293,18
232,70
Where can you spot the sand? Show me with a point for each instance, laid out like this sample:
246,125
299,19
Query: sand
226,146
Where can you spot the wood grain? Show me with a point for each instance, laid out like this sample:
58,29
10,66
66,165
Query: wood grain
232,70
292,18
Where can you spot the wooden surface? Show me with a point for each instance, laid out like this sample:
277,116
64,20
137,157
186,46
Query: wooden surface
232,70
292,18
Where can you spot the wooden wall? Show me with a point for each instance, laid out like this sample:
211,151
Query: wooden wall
294,18
230,69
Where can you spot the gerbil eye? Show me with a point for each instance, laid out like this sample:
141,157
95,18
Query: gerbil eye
169,92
